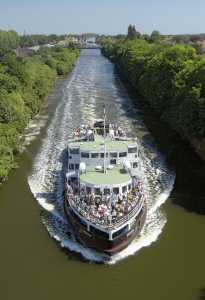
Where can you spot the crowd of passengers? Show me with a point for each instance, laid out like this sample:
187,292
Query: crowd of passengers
106,209
88,132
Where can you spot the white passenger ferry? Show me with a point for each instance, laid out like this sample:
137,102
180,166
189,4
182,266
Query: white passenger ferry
105,199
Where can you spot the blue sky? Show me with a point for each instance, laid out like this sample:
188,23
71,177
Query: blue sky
105,16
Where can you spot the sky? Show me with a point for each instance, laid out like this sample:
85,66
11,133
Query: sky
102,16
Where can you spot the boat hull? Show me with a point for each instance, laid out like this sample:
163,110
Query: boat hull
101,244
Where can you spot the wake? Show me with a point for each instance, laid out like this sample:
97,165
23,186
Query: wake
82,101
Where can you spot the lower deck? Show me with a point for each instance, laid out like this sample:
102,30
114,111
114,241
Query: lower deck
101,241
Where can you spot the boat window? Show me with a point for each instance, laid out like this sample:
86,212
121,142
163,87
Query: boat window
122,154
99,232
102,155
94,155
74,151
88,190
73,179
77,166
85,154
113,154
106,191
135,165
113,162
120,232
132,149
71,166
124,189
116,191
97,191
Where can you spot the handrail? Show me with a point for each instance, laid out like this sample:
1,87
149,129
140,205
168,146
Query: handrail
126,217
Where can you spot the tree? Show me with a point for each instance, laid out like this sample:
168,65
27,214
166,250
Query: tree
9,40
24,84
155,36
132,33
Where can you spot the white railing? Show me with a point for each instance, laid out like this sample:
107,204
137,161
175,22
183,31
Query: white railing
74,200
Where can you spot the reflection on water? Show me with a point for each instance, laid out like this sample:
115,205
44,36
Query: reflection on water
93,84
202,294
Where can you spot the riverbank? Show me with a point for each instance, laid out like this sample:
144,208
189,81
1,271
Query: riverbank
189,187
190,169
170,78
25,84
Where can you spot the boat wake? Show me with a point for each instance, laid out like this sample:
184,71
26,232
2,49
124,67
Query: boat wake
81,102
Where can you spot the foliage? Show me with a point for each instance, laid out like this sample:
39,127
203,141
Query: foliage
40,39
132,33
24,84
171,78
8,40
155,36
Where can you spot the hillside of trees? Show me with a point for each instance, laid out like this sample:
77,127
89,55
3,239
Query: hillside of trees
171,78
24,84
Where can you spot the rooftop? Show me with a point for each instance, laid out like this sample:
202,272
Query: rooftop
115,176
98,144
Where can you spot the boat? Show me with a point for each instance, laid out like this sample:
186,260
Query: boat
105,198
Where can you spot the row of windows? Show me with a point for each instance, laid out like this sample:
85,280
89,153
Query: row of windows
76,151
112,162
102,155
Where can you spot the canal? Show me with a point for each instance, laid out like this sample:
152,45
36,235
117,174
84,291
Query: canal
166,262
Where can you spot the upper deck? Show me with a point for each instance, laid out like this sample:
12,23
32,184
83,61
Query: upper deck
98,144
115,176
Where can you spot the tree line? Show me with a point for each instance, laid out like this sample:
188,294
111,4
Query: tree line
24,84
171,78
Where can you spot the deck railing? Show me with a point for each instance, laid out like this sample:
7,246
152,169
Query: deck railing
105,223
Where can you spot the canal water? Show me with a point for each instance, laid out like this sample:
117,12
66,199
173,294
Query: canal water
165,262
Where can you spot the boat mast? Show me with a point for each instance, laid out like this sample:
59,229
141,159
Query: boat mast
104,165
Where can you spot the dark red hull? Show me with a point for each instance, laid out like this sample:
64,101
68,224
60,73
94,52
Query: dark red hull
101,244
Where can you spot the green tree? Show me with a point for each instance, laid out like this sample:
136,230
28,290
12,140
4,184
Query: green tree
155,36
9,40
132,33
168,77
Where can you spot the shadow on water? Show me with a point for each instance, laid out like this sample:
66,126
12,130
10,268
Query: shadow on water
202,294
189,189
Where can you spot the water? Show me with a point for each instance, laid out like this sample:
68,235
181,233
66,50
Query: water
159,264
89,94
